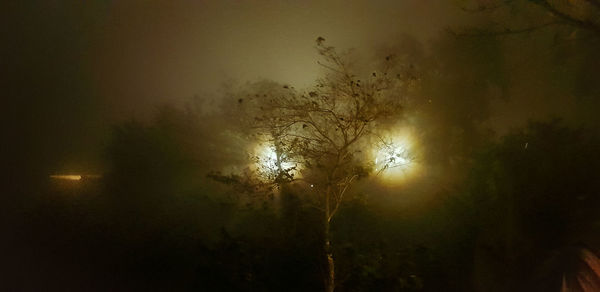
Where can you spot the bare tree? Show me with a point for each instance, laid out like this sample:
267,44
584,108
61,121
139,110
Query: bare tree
579,14
320,139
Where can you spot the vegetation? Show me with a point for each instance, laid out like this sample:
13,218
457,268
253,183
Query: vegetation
319,137
272,188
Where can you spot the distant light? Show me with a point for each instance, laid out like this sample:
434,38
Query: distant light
66,176
74,177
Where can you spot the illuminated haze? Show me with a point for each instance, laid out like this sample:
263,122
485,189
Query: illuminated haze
156,51
78,68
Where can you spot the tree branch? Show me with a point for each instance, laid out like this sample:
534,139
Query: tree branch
566,17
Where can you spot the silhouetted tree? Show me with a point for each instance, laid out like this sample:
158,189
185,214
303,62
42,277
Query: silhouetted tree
321,138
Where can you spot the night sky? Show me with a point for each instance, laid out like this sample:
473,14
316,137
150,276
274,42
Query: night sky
74,68
81,77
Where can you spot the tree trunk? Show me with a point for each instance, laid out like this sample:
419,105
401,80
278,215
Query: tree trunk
330,269
331,276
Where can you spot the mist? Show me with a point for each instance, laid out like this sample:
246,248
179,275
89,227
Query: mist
449,145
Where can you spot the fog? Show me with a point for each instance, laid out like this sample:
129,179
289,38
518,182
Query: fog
85,66
134,132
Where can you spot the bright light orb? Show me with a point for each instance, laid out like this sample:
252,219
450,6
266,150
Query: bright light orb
269,159
394,157
390,156
269,163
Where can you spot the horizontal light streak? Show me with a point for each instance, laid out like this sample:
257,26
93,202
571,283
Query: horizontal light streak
74,177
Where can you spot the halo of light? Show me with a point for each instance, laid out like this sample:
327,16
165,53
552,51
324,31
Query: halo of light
266,161
395,156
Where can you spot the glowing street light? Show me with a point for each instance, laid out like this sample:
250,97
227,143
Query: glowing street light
392,156
271,164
